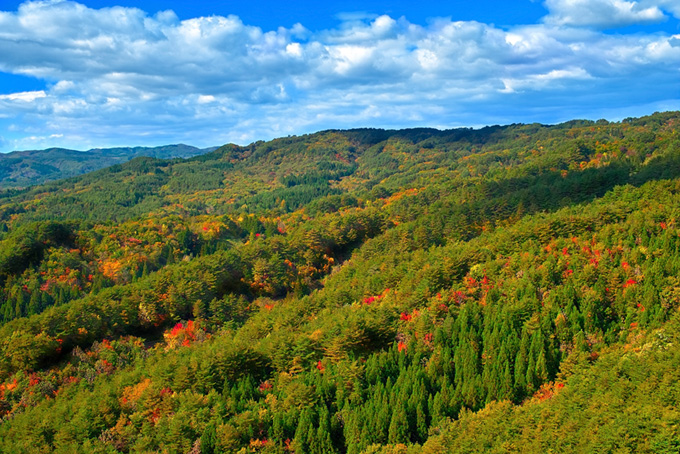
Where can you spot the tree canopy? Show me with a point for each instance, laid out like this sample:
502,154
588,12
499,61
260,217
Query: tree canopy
510,288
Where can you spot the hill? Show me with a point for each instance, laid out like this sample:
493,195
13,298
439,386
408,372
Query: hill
497,289
27,168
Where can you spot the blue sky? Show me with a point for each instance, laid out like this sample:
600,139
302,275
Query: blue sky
270,15
107,73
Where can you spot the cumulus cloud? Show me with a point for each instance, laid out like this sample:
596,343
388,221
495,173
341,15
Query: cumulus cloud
670,6
119,75
608,13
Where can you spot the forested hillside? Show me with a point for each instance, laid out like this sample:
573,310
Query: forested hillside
506,289
20,169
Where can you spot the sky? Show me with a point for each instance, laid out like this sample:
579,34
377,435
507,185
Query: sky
101,73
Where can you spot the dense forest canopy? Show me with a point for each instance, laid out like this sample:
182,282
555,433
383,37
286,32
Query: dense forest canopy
504,289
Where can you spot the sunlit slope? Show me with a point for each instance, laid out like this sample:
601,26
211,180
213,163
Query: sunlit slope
343,291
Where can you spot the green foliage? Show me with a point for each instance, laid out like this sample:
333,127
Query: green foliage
508,288
625,401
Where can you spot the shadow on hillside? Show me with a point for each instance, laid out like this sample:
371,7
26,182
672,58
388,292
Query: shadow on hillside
551,190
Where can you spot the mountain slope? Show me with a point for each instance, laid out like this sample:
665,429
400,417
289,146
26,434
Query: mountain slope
27,168
625,401
351,291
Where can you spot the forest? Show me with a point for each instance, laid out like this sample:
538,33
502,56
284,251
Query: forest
20,169
505,289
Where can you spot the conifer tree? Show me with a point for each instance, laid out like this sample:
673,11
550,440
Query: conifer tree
399,427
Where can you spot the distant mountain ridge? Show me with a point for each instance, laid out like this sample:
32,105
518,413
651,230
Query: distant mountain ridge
20,169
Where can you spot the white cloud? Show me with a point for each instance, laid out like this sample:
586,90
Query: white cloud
538,81
24,96
605,13
205,99
119,76
294,49
671,7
